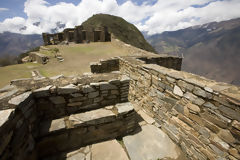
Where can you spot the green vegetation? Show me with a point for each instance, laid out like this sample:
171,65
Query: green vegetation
77,58
122,30
17,71
12,60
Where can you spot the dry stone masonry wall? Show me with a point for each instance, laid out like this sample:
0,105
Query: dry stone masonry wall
200,115
39,123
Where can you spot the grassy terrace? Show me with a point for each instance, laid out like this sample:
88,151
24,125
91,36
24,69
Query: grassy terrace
76,61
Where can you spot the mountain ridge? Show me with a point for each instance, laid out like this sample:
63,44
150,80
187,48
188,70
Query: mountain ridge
210,50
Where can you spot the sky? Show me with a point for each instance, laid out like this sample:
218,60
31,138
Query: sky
150,16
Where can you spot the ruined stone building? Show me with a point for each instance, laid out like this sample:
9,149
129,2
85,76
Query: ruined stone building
79,34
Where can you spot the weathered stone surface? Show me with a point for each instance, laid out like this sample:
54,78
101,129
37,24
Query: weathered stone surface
57,100
209,105
87,89
208,89
198,91
177,91
236,124
220,143
71,88
76,156
194,98
230,113
95,117
185,85
8,94
226,136
124,107
20,98
169,79
4,115
141,147
205,132
217,150
146,117
193,107
51,126
107,86
42,92
234,152
181,109
93,94
108,150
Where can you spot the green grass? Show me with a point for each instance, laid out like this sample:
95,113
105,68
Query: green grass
11,72
77,58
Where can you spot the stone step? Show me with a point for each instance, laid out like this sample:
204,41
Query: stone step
86,128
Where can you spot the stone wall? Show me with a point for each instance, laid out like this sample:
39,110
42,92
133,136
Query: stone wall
200,115
40,58
105,66
28,107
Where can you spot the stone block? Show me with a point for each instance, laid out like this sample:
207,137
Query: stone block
93,94
230,113
71,88
177,91
184,85
194,99
219,143
124,108
57,100
226,136
20,98
87,89
193,107
42,92
209,105
107,86
236,124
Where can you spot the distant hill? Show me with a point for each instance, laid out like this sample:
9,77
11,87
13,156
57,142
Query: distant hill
211,50
122,30
12,44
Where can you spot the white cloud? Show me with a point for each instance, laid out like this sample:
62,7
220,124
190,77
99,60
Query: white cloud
153,18
3,9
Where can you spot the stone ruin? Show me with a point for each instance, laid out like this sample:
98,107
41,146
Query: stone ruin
48,118
79,34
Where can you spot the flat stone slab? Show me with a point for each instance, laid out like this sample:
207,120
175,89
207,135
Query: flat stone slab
51,126
108,150
95,115
4,115
124,107
151,144
146,117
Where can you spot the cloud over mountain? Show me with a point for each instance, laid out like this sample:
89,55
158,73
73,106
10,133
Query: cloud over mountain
150,16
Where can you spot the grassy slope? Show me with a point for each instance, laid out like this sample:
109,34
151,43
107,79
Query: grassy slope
123,30
76,61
